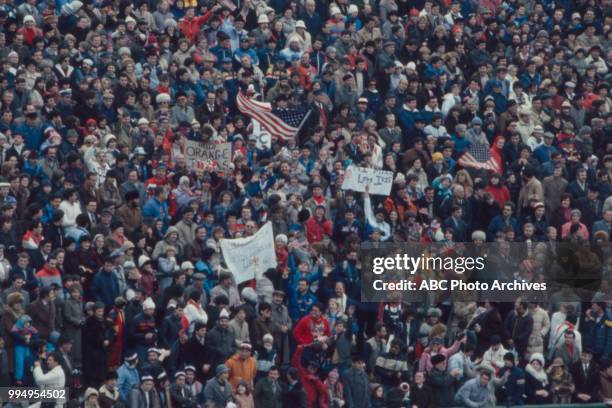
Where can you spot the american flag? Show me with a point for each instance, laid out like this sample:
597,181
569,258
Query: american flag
478,157
262,112
292,117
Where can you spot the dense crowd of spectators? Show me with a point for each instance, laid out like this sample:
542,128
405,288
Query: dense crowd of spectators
113,281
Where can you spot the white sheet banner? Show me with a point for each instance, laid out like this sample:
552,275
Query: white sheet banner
248,258
378,181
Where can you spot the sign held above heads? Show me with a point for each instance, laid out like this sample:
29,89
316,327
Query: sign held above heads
208,156
378,181
248,258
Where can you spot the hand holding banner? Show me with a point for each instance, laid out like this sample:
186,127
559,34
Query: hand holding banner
357,178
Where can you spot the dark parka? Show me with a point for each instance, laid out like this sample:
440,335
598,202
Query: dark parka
220,344
356,389
443,388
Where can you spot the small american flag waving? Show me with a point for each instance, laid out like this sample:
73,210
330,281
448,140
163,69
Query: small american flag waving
262,112
478,157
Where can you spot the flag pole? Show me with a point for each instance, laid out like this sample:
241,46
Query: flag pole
304,119
302,123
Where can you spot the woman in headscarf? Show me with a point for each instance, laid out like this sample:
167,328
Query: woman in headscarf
561,382
183,192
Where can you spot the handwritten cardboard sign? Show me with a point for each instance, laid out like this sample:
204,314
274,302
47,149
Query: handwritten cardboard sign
207,156
378,181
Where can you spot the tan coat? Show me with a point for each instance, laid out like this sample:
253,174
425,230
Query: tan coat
532,190
131,218
541,327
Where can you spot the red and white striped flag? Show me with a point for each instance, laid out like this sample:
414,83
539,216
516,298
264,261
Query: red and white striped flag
262,112
478,157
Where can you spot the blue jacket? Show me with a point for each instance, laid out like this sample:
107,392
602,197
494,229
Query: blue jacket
105,288
543,152
32,135
128,378
499,224
154,209
300,304
598,334
514,387
34,171
527,79
314,23
406,120
47,214
461,144
472,394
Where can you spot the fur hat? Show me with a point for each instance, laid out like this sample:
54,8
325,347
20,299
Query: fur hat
537,357
148,304
14,298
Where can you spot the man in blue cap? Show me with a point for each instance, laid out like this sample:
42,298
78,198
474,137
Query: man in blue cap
218,391
245,50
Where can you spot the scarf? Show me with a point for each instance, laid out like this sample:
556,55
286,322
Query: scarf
538,375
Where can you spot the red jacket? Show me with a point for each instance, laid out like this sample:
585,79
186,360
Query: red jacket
315,230
316,392
191,28
30,34
500,194
306,329
317,395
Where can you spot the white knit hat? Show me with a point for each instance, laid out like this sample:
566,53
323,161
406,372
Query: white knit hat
148,304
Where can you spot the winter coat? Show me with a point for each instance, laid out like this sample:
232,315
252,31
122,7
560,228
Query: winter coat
472,394
356,387
536,381
265,396
217,394
598,332
43,317
182,397
95,355
562,386
532,190
262,327
221,344
586,383
105,288
242,370
197,354
231,293
553,188
317,395
240,330
295,396
128,378
186,232
514,387
443,388
137,399
541,326
131,218
519,328
74,319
